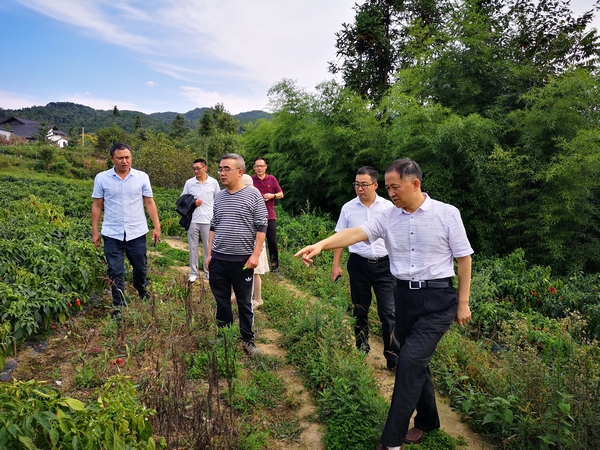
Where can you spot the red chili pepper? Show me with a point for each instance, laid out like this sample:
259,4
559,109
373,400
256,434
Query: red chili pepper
119,361
78,302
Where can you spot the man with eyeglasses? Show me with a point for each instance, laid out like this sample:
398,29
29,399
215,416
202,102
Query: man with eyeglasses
423,237
204,188
236,238
271,191
368,266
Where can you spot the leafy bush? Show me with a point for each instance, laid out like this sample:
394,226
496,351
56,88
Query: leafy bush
35,416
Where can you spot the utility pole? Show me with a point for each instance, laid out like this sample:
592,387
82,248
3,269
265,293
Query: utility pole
82,137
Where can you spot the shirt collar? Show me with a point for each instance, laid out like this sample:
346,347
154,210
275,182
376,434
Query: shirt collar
377,200
424,206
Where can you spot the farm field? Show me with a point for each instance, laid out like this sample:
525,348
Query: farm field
164,378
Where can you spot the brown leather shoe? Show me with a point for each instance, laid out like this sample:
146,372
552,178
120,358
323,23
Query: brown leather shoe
414,436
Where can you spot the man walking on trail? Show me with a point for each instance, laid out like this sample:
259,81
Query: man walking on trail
236,238
271,191
368,266
122,192
423,238
204,188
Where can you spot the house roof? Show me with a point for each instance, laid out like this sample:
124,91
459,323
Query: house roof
22,127
28,129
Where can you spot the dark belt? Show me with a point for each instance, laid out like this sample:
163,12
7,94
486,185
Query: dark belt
425,284
373,260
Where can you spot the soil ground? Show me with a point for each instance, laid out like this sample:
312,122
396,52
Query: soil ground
311,436
56,354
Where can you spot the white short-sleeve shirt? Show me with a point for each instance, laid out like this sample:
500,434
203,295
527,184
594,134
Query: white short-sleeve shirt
353,214
421,245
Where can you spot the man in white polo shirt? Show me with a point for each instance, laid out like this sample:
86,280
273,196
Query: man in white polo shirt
423,238
368,266
205,189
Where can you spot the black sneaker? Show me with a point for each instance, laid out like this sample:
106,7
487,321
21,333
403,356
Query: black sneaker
391,365
251,348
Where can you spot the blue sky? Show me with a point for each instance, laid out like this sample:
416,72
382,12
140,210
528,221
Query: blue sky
163,55
166,55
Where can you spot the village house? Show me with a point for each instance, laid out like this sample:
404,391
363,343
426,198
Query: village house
6,134
30,130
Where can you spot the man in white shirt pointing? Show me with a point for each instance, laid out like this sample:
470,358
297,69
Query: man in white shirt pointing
423,238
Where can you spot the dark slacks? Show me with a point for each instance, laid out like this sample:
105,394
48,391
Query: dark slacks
271,237
422,318
223,276
365,275
115,251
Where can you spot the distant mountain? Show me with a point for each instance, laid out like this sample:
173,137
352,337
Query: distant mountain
70,117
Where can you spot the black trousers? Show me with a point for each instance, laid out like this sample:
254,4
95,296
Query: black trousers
115,251
422,318
223,276
272,244
364,276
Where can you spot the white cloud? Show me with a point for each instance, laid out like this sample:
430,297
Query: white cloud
259,42
14,100
151,83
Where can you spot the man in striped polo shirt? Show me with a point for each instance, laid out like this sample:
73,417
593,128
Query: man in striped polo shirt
237,234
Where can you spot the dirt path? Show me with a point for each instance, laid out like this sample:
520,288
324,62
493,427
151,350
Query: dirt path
311,436
449,419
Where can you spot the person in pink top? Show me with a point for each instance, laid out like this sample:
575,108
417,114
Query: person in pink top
270,191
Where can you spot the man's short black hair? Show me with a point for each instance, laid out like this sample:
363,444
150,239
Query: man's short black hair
199,160
368,170
118,146
260,157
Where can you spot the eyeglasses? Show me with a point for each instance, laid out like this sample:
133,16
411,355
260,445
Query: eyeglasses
259,166
226,169
196,169
362,185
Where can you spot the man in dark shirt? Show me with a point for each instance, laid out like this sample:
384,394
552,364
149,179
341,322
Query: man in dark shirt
270,190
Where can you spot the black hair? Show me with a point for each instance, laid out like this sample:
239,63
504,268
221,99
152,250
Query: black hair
368,170
406,168
118,146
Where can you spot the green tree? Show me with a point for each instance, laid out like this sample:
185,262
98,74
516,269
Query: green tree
41,136
163,161
138,123
116,113
106,137
207,124
483,56
178,128
367,49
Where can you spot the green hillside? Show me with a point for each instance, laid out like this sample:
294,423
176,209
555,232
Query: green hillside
72,116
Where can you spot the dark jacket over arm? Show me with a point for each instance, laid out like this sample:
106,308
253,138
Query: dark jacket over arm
186,204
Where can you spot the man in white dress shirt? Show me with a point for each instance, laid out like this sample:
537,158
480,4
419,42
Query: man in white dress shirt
368,266
423,238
